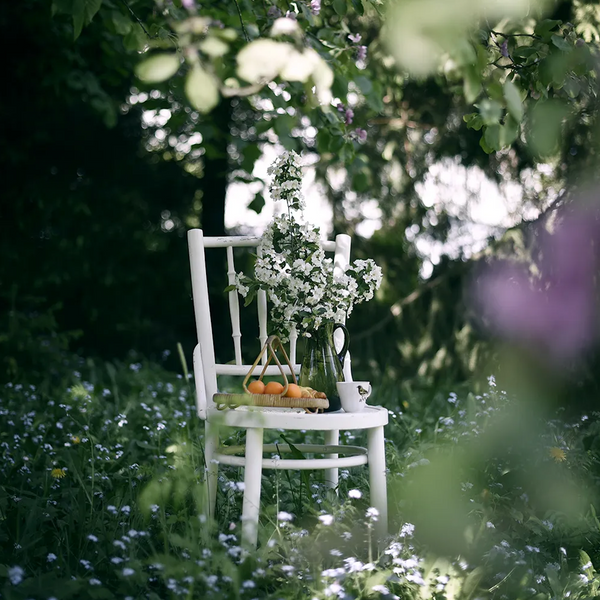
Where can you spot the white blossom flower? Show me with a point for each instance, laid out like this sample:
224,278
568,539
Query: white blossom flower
355,494
326,519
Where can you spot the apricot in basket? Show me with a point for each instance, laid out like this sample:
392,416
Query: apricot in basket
256,387
273,387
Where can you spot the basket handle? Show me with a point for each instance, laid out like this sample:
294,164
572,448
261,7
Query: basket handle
272,344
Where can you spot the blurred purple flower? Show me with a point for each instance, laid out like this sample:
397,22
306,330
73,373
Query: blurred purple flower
274,12
361,53
504,48
315,7
348,116
361,134
290,14
355,38
189,5
555,312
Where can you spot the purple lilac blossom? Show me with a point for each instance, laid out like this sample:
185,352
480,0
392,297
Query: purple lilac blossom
361,134
348,116
355,38
361,53
555,312
315,7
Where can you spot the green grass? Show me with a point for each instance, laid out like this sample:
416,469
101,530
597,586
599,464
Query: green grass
482,504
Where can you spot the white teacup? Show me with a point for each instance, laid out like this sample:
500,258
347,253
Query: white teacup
353,394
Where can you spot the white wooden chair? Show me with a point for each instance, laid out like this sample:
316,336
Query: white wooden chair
255,419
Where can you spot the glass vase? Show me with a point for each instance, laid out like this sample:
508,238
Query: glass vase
322,365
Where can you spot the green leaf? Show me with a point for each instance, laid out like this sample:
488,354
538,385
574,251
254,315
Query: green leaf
201,89
323,140
524,52
513,100
78,18
472,84
340,7
491,111
62,6
545,127
509,132
561,43
83,13
357,5
251,154
361,181
135,39
364,84
545,27
121,22
257,204
492,137
157,68
473,121
471,583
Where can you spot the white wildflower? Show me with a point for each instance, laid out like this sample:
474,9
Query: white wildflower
326,519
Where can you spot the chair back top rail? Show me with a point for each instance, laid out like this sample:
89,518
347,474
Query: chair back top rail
248,241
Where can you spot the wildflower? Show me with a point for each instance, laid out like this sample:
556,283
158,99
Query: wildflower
372,513
361,53
15,574
95,581
355,494
51,557
361,136
326,519
92,538
58,473
315,7
557,454
381,589
126,509
127,572
284,516
355,38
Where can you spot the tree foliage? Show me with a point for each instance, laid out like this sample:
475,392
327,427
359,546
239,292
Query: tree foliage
192,94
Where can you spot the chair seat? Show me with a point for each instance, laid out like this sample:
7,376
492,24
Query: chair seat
297,418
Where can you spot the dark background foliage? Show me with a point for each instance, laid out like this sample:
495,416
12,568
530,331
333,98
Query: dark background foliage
93,219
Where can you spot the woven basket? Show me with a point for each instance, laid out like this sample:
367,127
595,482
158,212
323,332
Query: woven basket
271,346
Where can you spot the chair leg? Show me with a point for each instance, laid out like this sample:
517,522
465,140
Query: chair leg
377,478
211,443
252,476
332,438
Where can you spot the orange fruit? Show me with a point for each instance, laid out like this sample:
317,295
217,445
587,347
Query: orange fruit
273,387
256,387
293,391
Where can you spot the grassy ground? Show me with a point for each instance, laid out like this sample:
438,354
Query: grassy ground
101,491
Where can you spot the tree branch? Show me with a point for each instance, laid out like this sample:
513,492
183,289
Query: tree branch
237,5
139,21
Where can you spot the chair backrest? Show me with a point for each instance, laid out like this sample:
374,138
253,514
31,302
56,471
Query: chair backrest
206,369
